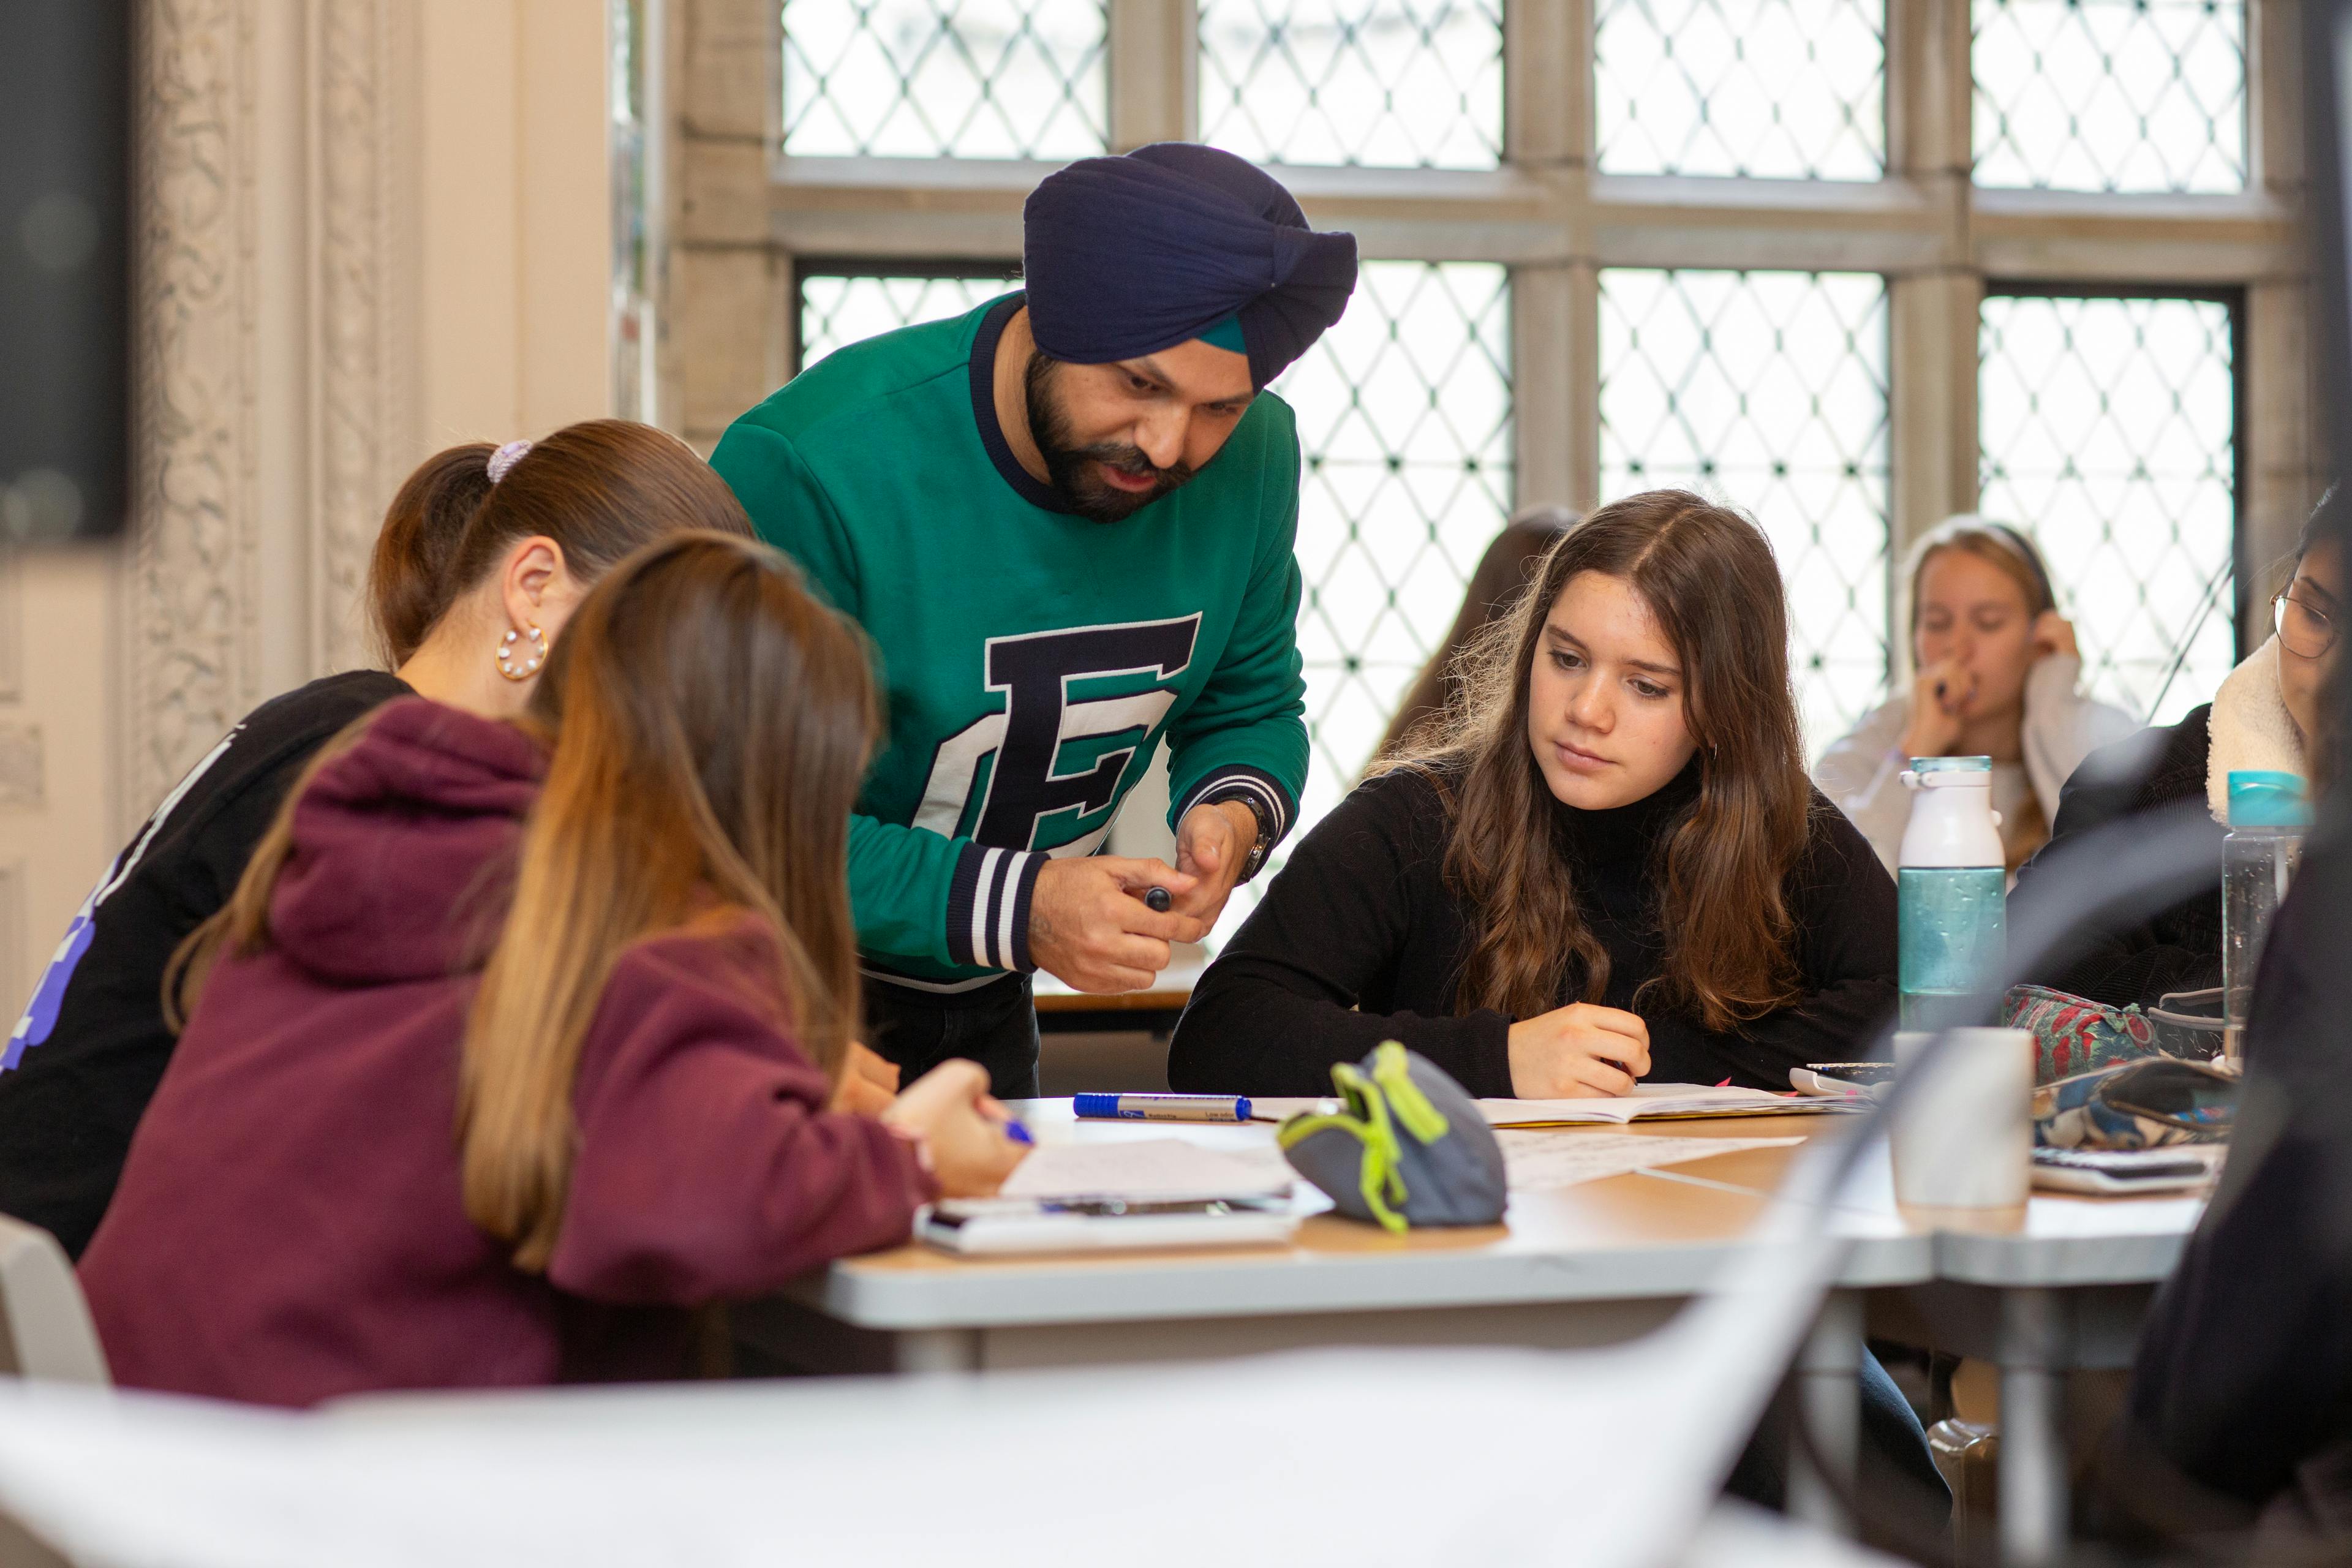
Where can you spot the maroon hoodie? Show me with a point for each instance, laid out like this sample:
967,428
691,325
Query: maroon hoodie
289,1226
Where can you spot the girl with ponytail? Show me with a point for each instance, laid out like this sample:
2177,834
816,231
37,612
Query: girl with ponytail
481,556
516,1043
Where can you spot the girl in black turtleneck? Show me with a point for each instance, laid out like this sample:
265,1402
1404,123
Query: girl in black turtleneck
1612,868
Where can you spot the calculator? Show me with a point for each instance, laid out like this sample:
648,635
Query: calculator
2174,1169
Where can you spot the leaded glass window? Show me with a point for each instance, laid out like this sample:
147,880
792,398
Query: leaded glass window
1768,390
1404,417
2108,428
1410,83
1794,89
1404,422
945,78
2111,95
837,308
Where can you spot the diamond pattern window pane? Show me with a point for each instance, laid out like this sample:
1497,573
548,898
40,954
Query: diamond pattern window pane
1788,89
2111,95
1405,83
1768,390
2106,428
1404,418
835,311
945,78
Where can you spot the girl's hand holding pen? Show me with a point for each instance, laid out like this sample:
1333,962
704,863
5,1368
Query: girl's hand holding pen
961,1130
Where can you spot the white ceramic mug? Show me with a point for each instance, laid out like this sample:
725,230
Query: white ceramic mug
1963,1138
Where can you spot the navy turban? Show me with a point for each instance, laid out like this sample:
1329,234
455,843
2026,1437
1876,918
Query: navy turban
1125,257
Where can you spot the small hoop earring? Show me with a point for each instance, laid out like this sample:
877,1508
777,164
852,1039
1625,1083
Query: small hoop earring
528,668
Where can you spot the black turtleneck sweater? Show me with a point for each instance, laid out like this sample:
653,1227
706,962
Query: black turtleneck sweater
1360,941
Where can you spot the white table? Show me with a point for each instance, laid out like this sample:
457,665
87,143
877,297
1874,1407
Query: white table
2058,1286
1595,1264
2062,1290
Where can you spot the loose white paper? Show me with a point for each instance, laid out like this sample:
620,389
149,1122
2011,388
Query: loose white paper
1148,1168
1535,1159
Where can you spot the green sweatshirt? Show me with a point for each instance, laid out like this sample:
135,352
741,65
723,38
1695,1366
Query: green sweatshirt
1031,659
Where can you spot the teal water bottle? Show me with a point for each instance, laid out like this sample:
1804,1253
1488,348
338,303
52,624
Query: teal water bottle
1951,891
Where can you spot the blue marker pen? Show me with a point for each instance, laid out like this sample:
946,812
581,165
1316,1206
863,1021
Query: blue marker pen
1162,1107
1017,1132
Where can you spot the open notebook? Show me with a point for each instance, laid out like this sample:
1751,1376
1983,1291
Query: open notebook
1654,1102
1648,1102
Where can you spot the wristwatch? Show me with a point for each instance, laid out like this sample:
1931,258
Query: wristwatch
1255,859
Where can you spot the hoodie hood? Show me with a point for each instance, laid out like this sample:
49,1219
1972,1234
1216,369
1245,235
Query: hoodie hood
2251,728
403,846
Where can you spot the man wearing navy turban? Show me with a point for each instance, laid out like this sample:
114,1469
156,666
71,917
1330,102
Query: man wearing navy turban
1064,521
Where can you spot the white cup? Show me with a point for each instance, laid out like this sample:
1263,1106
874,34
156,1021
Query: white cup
1963,1136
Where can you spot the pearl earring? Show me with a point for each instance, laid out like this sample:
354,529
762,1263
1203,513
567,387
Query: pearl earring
528,668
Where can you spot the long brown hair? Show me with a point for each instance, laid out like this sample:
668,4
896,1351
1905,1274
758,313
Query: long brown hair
599,488
1501,576
713,721
1708,576
710,723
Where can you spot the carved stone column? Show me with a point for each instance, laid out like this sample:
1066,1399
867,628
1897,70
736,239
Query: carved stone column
191,665
364,223
274,379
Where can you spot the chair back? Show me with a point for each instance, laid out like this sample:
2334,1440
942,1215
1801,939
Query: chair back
46,1332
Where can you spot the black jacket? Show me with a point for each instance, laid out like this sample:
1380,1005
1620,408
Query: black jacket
2177,950
2244,1369
1361,940
84,1060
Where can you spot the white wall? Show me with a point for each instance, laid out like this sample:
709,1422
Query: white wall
516,219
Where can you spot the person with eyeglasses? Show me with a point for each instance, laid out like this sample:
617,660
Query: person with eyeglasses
2266,715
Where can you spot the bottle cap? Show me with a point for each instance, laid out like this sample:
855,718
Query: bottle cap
1950,773
2263,797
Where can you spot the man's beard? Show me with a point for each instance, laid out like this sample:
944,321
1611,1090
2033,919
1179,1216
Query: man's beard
1067,467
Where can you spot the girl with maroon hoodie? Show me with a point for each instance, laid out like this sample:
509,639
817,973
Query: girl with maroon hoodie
482,556
516,1042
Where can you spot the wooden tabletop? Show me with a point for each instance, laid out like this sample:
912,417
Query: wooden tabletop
1161,999
1627,1238
1645,1236
1167,995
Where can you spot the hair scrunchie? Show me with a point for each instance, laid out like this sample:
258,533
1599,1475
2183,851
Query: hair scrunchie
506,457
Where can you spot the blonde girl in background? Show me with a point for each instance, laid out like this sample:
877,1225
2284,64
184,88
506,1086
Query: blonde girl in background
1997,675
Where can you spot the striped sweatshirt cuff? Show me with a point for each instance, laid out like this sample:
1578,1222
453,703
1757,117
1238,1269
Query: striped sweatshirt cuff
988,906
1255,787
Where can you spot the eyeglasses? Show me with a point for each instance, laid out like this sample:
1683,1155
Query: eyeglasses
2302,630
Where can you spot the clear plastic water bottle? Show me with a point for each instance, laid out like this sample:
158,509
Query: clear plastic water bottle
2268,814
1952,888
